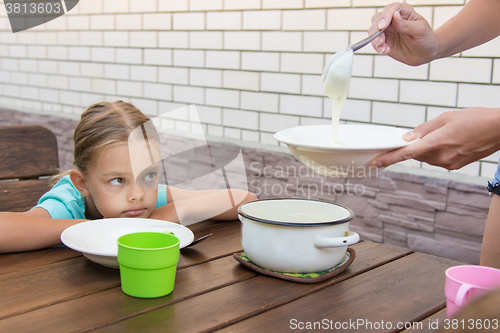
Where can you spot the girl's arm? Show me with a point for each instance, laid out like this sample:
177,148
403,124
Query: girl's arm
31,230
185,205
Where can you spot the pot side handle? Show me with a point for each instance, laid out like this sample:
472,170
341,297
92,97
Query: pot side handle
321,242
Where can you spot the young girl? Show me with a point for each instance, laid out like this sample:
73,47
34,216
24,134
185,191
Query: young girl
113,178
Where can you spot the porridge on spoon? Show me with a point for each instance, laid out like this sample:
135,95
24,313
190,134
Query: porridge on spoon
336,78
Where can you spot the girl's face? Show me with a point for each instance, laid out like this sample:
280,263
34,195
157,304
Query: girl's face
121,188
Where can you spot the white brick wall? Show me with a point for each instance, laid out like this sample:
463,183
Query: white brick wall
325,41
387,67
240,80
238,40
471,70
223,20
470,93
374,89
238,4
285,83
188,21
240,119
205,40
395,114
349,18
205,77
259,101
252,67
302,63
282,41
276,122
221,97
260,61
428,93
267,4
205,5
301,105
262,20
303,20
222,59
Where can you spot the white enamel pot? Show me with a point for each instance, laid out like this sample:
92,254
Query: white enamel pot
295,235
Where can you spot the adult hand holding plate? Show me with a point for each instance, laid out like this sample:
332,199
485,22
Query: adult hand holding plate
450,141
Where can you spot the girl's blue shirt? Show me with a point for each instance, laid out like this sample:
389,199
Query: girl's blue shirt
63,201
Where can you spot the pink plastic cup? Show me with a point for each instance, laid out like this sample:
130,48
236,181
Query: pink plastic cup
467,282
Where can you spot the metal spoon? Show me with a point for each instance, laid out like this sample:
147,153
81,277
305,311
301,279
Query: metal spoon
353,47
366,41
198,240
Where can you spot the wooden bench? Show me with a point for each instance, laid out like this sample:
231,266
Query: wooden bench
28,157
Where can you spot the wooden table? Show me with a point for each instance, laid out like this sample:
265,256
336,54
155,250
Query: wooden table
59,290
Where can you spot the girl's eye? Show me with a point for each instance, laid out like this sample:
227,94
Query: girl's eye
150,176
117,181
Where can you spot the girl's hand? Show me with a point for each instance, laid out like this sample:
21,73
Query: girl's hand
408,39
452,140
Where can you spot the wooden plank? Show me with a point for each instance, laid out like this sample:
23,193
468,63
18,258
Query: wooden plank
228,233
205,224
109,306
403,291
21,195
429,324
225,233
225,240
54,283
68,279
246,299
27,151
14,264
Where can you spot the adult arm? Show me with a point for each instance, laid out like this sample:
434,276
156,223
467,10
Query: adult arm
411,40
31,230
490,251
455,138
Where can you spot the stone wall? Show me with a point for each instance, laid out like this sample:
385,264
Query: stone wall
437,216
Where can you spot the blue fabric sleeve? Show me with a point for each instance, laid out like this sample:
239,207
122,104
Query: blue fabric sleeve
161,199
59,210
63,201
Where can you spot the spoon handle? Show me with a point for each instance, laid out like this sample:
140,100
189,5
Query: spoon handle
368,39
365,41
199,240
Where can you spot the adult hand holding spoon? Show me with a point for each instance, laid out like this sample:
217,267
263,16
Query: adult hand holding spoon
409,37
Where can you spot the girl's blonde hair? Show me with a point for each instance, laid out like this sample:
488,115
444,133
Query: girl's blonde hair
103,124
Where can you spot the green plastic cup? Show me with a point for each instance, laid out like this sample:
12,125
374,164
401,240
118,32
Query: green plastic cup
148,263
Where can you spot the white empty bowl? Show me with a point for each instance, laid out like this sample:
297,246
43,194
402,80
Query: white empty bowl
309,144
97,239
